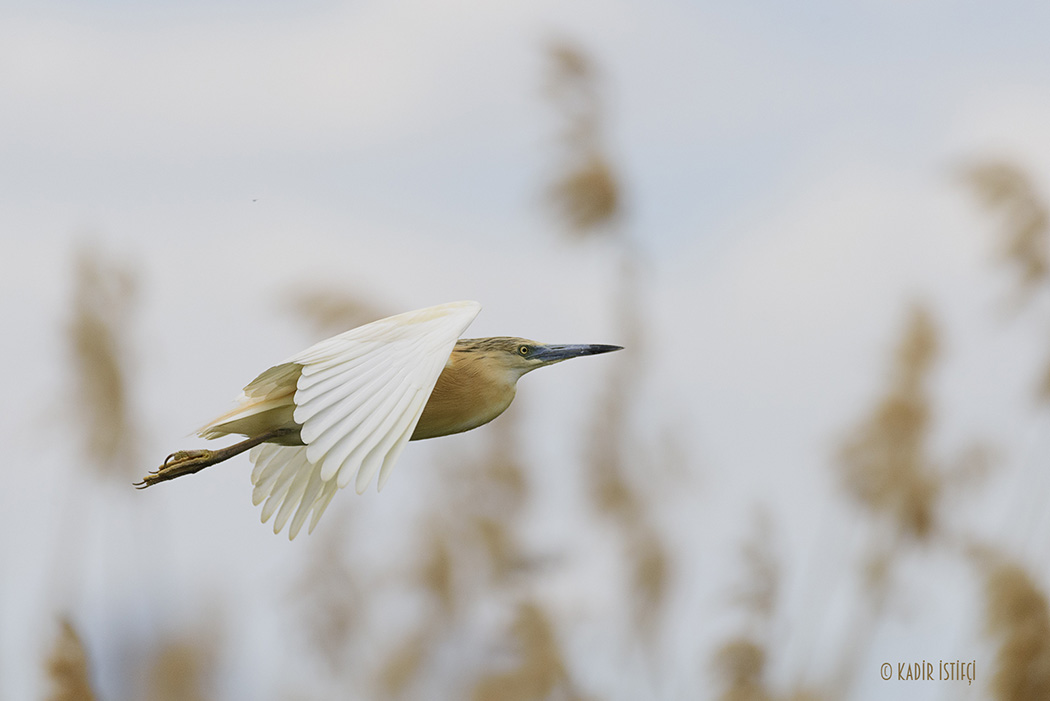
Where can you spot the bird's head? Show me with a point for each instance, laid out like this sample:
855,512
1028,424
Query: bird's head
518,356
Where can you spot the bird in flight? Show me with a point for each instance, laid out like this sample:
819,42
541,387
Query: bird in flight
343,409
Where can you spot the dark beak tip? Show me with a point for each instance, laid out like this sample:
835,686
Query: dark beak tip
558,353
597,348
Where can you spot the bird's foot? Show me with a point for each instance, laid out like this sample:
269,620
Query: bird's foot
186,462
182,455
179,463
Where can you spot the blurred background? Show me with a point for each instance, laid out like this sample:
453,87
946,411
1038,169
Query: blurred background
819,230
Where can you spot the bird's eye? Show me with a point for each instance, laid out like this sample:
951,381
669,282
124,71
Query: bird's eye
524,350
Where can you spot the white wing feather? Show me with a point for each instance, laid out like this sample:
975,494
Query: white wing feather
359,396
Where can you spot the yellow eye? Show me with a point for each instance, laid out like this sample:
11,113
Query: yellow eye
524,350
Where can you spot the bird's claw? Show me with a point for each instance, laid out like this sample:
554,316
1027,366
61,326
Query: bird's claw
180,455
179,463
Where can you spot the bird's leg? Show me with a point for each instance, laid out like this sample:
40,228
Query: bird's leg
186,462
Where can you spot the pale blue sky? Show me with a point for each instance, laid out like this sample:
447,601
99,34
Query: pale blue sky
716,110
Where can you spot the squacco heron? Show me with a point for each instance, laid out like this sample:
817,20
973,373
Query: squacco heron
343,409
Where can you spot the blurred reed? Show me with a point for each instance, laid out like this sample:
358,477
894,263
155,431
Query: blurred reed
331,310
586,193
757,591
67,667
741,666
1008,190
329,599
494,492
1017,615
587,197
182,669
740,663
98,333
435,573
405,663
540,670
1018,621
884,465
469,555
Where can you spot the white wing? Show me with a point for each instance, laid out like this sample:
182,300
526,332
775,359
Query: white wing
358,397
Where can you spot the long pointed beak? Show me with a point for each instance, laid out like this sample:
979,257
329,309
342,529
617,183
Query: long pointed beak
548,354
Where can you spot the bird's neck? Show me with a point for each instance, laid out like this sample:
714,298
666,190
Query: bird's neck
470,392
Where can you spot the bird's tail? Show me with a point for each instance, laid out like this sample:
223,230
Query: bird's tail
266,404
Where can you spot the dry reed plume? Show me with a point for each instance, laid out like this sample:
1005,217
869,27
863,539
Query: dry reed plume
586,195
739,666
740,669
469,552
884,464
757,592
332,600
403,665
1018,619
1009,190
103,298
588,198
1017,614
180,670
739,663
476,533
885,467
436,575
330,311
540,670
495,495
67,667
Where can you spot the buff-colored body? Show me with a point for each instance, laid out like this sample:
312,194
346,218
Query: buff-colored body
477,385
